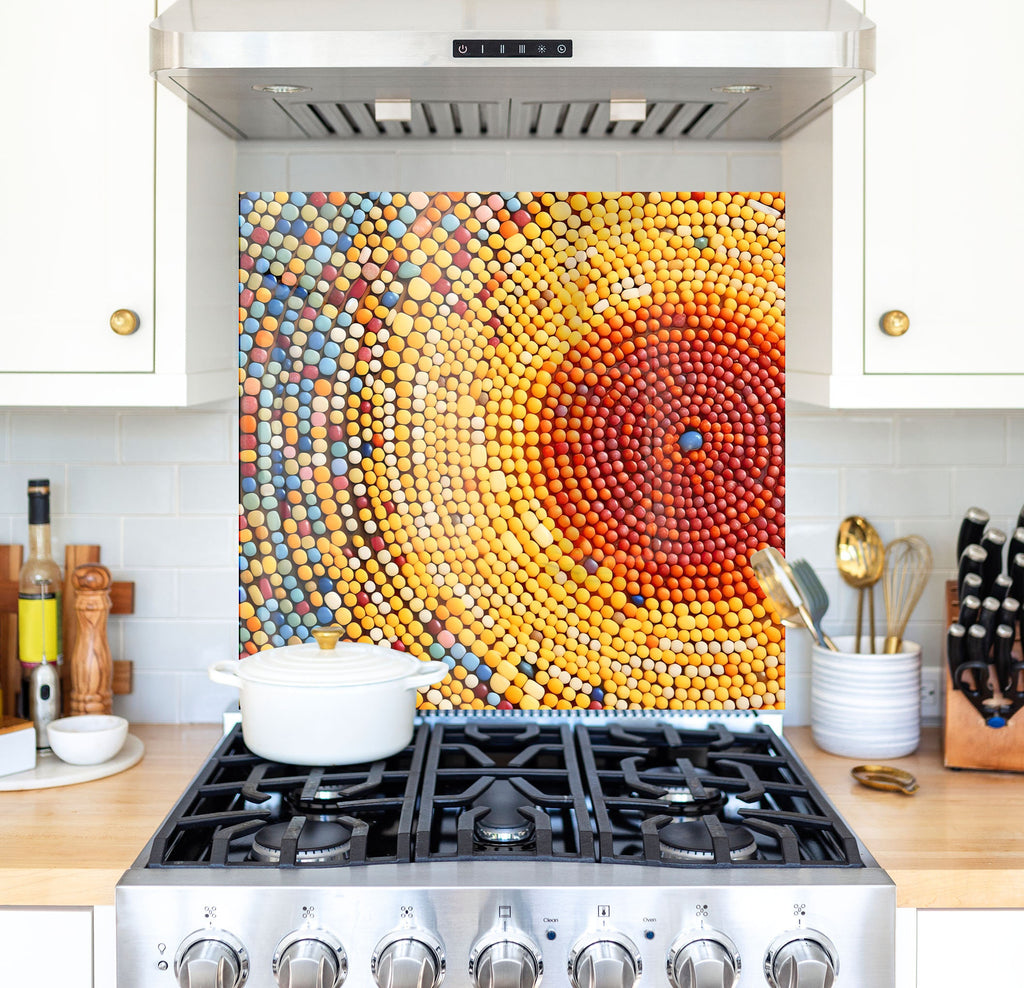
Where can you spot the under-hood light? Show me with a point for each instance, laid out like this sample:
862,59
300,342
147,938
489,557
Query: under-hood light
280,90
741,89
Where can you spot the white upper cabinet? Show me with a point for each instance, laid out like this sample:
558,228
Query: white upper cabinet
97,220
904,200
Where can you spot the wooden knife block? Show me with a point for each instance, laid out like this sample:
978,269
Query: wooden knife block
122,597
967,741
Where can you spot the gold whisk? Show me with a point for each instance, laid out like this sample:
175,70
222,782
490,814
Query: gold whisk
908,564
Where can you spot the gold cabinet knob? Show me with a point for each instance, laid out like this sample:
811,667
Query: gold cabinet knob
895,323
124,322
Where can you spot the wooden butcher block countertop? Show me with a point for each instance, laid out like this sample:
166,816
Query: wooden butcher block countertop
957,843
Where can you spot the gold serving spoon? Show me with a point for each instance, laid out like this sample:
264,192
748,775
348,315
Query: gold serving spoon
860,559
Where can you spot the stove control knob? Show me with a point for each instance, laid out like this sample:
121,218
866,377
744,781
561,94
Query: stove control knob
801,959
408,959
707,960
608,960
310,959
505,960
211,959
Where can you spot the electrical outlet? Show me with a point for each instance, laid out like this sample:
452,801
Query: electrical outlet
931,694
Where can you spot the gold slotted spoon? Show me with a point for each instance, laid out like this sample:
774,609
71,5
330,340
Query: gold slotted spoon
860,559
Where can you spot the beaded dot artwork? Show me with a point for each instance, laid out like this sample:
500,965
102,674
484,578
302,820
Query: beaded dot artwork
535,435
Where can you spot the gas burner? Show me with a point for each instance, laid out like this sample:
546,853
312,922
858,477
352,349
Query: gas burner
326,803
691,842
318,843
502,823
682,801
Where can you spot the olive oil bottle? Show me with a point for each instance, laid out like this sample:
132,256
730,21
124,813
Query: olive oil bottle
39,593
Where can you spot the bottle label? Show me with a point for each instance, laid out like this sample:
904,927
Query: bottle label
38,629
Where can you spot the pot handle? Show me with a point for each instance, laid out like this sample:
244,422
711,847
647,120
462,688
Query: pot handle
432,672
224,673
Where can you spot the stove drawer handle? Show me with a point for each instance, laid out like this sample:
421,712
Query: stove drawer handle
224,673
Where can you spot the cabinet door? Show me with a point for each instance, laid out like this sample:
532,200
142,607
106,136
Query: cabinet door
46,947
944,152
77,242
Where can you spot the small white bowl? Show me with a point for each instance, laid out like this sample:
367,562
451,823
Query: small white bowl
88,739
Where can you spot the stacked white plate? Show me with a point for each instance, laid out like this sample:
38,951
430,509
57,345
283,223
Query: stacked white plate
866,705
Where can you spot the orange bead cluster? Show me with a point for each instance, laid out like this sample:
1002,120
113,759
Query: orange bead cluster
536,435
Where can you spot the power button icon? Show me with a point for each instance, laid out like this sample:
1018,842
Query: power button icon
463,49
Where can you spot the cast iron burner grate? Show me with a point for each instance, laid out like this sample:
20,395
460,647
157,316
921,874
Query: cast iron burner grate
499,788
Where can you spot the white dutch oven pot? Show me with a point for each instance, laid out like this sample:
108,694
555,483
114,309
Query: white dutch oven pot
325,702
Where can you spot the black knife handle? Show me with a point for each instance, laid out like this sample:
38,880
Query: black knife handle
970,607
988,618
993,542
971,587
972,560
1017,576
1001,586
955,649
973,524
1016,545
1009,612
1004,637
976,664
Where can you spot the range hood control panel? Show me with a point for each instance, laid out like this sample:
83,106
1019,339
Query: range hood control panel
512,48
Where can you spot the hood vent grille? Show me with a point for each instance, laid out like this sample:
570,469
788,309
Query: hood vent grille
575,119
429,119
592,119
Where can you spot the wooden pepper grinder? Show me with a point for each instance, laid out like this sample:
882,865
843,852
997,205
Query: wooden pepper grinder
92,669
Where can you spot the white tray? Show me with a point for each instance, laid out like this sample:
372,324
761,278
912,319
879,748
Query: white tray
50,771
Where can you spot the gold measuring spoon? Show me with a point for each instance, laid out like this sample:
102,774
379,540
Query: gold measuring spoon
860,559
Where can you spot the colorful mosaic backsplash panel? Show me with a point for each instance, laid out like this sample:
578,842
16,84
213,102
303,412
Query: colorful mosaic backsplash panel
536,435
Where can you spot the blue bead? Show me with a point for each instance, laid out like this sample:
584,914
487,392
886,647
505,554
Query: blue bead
450,223
327,366
324,615
397,229
388,299
282,226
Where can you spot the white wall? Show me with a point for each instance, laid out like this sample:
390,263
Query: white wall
158,490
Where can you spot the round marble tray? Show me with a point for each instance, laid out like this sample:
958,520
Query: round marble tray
50,771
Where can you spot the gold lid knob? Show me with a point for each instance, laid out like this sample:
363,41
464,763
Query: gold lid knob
124,322
327,638
895,323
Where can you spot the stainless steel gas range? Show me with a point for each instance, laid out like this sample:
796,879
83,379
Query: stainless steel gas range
499,852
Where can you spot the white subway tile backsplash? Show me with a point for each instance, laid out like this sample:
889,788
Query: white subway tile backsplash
943,440
119,489
203,701
14,480
155,698
81,436
897,493
180,542
866,440
156,592
179,645
812,492
207,593
999,490
190,437
208,490
101,530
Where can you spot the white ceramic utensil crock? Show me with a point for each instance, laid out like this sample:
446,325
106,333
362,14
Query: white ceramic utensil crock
327,702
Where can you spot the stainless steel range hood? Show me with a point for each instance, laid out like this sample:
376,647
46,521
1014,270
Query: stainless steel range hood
530,69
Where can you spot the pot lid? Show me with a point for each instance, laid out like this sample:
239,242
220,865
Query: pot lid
328,662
